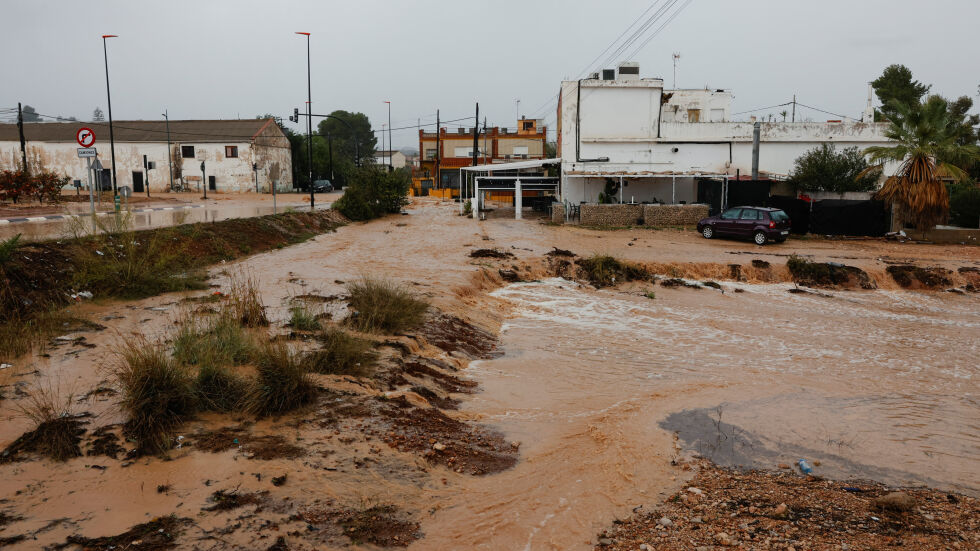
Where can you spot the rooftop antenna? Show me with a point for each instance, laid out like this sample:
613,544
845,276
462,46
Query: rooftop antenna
677,55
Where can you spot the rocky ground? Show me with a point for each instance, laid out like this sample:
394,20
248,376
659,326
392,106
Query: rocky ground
726,508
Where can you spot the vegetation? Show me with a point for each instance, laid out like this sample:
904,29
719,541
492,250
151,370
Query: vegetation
7,248
302,319
341,354
609,192
382,306
373,192
964,205
896,85
220,341
158,395
824,168
217,388
39,185
282,383
929,150
604,270
245,303
57,431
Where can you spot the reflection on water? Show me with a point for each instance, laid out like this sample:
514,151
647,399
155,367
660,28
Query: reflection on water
875,384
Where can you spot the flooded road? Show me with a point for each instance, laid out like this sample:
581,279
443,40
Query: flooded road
878,385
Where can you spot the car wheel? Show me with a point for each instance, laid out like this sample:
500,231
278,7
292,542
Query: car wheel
708,232
760,238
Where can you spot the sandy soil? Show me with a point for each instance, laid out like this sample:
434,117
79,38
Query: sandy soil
587,440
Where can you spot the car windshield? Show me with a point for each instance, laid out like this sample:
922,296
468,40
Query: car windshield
731,214
778,216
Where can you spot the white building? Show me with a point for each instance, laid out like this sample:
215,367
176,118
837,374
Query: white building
398,159
661,144
238,155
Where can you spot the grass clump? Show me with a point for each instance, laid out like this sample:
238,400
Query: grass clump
221,341
7,248
158,394
302,319
605,270
217,388
382,306
341,354
282,382
245,302
57,430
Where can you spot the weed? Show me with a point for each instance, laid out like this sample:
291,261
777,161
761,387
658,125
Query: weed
57,430
19,336
650,295
605,270
158,395
282,382
221,341
219,389
302,319
7,248
380,305
245,302
341,354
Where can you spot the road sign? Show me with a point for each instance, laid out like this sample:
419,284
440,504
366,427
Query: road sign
84,152
85,137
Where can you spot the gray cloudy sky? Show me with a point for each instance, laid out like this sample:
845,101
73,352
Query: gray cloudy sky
228,59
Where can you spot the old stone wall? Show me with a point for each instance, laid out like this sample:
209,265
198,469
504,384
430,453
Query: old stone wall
673,215
611,215
558,213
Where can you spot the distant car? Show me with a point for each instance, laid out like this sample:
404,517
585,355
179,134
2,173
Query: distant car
322,186
760,223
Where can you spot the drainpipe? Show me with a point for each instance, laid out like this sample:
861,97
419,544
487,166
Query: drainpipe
756,130
578,133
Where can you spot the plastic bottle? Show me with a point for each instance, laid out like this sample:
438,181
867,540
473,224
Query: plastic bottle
805,467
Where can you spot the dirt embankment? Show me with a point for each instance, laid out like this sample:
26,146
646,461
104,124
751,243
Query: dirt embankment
725,508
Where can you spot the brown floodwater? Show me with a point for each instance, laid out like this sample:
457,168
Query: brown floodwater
593,385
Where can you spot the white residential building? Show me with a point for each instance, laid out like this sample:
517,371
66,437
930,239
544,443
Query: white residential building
398,159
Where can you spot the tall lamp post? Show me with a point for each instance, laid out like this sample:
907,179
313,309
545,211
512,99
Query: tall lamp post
112,141
170,162
204,182
309,112
390,146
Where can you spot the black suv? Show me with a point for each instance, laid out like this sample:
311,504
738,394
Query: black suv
762,224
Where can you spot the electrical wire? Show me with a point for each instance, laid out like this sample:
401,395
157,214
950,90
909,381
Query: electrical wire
764,108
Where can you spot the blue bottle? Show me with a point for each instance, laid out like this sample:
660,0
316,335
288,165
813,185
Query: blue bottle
805,467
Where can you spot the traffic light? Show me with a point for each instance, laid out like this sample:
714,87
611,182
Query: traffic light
295,117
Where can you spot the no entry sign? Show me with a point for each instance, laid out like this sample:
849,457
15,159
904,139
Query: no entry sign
85,137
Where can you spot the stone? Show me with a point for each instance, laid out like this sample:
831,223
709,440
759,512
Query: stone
438,446
895,501
665,522
780,510
605,541
783,466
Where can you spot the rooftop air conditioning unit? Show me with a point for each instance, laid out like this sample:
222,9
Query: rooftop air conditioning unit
629,70
609,74
594,76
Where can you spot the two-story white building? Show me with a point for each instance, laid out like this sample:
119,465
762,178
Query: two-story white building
660,145
238,155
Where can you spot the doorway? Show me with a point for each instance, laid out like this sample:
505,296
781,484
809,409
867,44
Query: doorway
212,185
137,182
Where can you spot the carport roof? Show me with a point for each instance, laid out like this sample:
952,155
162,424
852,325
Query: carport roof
535,163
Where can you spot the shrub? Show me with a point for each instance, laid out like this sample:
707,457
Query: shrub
7,248
157,395
43,185
824,168
341,354
382,306
282,382
245,302
605,270
222,341
218,389
302,319
373,192
964,205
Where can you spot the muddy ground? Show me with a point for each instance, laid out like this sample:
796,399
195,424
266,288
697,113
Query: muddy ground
444,444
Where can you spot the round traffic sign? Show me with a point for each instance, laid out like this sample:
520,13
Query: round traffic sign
85,137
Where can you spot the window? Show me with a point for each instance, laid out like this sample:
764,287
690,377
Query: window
779,216
231,151
430,153
731,214
527,125
750,214
187,151
693,115
520,150
465,152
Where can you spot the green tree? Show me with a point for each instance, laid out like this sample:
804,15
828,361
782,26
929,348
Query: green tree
927,147
824,168
896,84
373,192
964,205
30,114
357,129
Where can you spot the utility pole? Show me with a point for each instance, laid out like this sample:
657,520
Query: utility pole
794,109
517,110
204,181
112,139
170,161
23,142
309,115
677,55
330,153
390,146
476,135
438,151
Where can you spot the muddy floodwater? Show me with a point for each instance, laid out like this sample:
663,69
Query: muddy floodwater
603,392
875,385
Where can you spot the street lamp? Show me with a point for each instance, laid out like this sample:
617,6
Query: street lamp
204,182
390,146
112,141
309,112
170,162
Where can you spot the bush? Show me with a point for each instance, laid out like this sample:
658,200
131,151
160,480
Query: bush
158,395
964,205
7,248
382,306
341,354
823,168
222,341
282,382
605,270
44,185
373,192
218,389
245,302
302,319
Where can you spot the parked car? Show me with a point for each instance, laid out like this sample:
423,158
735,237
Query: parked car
322,186
762,224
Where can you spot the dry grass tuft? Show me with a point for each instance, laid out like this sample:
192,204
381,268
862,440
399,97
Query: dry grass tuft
245,302
282,382
604,270
341,354
57,430
382,306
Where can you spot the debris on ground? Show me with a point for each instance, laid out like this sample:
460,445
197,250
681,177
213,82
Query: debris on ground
828,274
916,277
724,508
555,251
490,253
382,525
158,534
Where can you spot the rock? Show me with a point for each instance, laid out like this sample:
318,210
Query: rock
438,446
665,522
895,501
509,276
696,520
694,490
605,541
753,509
783,466
515,444
817,463
780,510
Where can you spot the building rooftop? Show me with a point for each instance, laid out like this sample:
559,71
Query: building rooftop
190,131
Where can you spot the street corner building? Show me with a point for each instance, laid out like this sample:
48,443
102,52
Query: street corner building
239,156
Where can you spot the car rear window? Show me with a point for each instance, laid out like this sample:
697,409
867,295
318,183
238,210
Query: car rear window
778,216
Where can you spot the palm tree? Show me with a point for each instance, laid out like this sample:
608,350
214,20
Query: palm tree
926,137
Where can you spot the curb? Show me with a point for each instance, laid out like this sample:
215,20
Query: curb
80,215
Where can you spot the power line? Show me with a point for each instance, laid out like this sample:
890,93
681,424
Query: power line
764,108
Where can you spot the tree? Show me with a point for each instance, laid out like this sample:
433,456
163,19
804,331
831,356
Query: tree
964,205
824,168
896,84
373,192
30,115
344,136
929,151
98,115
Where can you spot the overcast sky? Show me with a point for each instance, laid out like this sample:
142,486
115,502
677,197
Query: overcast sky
207,59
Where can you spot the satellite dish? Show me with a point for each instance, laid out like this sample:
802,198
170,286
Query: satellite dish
126,191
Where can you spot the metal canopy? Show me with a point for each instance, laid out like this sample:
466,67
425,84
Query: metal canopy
535,163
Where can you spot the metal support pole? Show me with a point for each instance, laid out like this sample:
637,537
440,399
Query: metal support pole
476,198
204,181
620,190
170,162
91,194
756,132
112,139
255,171
390,146
518,199
673,188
